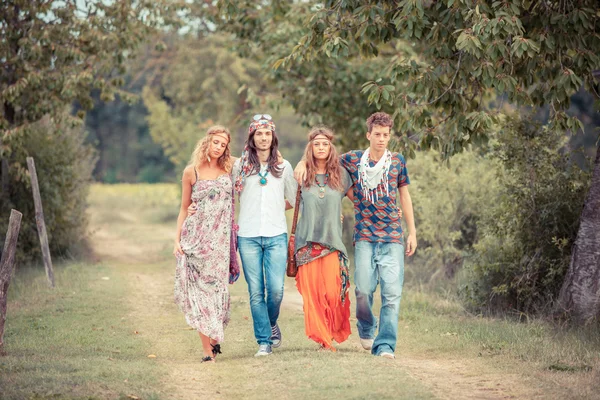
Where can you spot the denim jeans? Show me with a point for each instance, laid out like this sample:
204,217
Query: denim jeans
383,262
264,261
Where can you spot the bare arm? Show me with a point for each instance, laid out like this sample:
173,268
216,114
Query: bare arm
300,171
350,193
290,186
186,200
407,208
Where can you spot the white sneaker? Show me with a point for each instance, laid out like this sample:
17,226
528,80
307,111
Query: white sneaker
263,350
366,343
385,354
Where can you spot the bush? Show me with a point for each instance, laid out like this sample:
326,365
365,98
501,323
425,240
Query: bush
64,167
448,200
527,234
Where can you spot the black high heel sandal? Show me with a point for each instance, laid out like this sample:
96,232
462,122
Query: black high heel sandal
207,359
216,349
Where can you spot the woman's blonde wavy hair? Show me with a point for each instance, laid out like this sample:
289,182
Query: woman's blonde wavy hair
332,163
200,153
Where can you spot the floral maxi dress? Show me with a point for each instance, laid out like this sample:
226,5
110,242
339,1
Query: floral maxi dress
202,272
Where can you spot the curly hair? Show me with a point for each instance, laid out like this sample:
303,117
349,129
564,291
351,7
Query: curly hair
332,164
379,119
201,155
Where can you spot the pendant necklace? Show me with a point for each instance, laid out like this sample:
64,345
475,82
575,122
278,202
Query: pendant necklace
322,186
263,178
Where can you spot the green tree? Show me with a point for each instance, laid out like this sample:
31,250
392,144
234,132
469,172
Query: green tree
53,53
527,232
468,52
64,165
126,152
322,91
200,84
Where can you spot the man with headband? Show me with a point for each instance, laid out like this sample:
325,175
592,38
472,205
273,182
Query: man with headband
379,177
264,181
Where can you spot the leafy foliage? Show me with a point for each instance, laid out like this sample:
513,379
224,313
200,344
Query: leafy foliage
64,166
324,91
199,85
54,53
449,201
126,152
468,51
445,69
526,238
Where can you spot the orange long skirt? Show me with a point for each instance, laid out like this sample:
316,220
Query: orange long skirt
325,317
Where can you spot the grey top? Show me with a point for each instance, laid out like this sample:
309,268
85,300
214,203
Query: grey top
320,218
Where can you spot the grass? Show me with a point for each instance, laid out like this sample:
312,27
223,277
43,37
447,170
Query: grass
564,361
535,341
90,337
73,341
296,370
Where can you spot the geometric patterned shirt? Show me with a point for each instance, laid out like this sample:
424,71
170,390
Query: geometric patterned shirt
379,221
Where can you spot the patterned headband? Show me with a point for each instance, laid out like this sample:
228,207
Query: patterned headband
245,167
261,124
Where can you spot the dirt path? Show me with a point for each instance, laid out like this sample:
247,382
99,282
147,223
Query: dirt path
451,378
466,379
148,271
152,295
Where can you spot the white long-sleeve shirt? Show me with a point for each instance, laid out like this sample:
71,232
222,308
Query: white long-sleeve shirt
262,208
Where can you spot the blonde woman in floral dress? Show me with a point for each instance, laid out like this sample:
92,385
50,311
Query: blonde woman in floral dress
202,242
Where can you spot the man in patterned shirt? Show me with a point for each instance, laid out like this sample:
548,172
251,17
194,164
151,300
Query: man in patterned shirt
379,176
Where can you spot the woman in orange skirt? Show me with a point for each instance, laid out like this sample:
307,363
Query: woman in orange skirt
323,278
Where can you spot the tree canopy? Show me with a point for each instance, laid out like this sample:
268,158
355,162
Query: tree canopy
450,71
443,67
53,53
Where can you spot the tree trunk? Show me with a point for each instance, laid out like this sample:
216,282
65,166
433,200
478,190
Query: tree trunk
580,294
6,267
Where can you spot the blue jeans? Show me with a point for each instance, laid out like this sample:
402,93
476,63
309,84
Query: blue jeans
383,262
264,261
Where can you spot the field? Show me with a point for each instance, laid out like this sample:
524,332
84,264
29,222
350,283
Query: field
110,330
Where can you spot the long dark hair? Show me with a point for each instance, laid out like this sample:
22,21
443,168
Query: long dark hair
272,161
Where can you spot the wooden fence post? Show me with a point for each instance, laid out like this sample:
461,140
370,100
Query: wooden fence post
39,220
6,267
